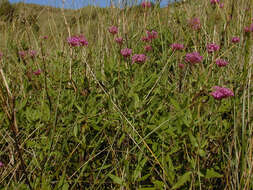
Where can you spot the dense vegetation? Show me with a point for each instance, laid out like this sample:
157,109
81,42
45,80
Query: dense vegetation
136,98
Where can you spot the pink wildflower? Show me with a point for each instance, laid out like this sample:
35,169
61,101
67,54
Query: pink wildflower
152,35
126,52
212,47
246,29
177,46
221,92
113,30
181,65
145,4
38,72
76,41
44,37
235,40
193,58
221,62
145,39
195,23
221,5
139,58
148,48
1,55
119,40
32,53
1,164
251,27
22,54
213,2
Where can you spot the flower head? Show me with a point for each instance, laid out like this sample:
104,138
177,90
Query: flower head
193,58
22,54
145,4
145,39
1,55
251,27
148,48
32,53
38,72
119,40
213,2
44,37
181,65
247,29
212,47
126,52
139,58
76,41
195,23
152,35
177,46
221,5
113,30
221,92
235,40
221,62
1,164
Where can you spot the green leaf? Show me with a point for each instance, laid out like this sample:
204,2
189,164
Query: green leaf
182,180
116,179
193,139
210,173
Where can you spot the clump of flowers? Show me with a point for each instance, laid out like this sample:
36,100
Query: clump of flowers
148,48
126,52
38,72
212,47
221,62
235,40
76,41
221,92
195,23
193,58
139,58
113,30
177,46
146,4
150,36
119,40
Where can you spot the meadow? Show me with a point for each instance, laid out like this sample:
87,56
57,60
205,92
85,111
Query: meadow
140,97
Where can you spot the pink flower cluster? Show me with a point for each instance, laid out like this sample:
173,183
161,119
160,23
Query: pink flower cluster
23,54
113,30
177,46
235,40
221,92
119,40
126,52
139,58
150,36
38,72
76,41
193,58
212,47
146,4
195,23
248,29
213,2
221,62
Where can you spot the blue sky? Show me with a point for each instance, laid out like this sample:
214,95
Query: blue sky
76,3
